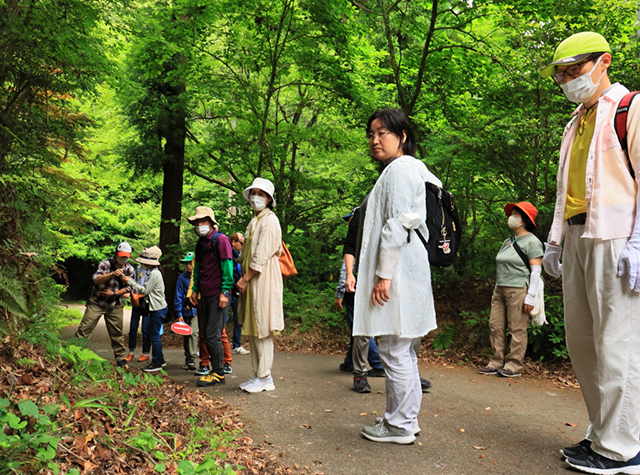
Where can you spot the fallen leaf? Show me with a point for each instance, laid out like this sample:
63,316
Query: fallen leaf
481,456
364,414
328,410
570,424
461,430
306,426
478,448
487,408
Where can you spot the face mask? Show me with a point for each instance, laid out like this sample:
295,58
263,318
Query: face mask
202,230
122,260
581,89
258,203
514,222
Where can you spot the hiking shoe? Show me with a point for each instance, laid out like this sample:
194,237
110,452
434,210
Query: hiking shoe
151,367
260,384
591,462
425,385
227,368
190,366
143,358
360,384
487,370
385,433
129,357
123,364
580,448
249,382
346,367
507,373
202,370
376,373
416,428
211,379
240,351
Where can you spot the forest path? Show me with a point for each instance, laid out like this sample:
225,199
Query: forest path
471,424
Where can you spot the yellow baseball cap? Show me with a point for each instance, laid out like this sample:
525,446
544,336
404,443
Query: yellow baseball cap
576,48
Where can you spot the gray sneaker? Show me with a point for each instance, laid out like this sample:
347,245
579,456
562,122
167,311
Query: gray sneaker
385,433
416,428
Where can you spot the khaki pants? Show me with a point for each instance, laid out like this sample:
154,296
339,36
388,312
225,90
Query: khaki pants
507,312
602,321
113,321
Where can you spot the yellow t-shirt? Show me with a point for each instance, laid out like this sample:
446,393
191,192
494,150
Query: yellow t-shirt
576,203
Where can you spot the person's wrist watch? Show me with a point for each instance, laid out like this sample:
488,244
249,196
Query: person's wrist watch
226,293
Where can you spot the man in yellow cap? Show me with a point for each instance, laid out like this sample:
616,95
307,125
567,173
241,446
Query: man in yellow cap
596,221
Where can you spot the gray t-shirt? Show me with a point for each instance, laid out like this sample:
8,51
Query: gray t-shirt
510,269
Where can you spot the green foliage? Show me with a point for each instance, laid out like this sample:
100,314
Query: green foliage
548,341
445,337
312,307
477,327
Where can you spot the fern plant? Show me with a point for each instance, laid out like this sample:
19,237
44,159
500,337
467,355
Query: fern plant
445,338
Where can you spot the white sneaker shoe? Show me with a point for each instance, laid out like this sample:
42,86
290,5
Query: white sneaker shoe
250,382
240,351
416,428
260,384
383,433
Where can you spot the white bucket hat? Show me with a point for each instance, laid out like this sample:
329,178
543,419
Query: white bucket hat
261,184
150,256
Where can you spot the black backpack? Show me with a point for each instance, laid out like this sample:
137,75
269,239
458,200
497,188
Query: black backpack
443,224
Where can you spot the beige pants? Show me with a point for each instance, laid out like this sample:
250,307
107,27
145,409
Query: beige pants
113,321
261,355
507,312
602,321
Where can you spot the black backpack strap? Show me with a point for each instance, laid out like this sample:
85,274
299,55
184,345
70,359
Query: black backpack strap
620,123
424,241
522,255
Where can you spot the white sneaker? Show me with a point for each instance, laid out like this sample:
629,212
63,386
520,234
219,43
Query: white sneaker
248,383
383,433
416,428
260,384
240,351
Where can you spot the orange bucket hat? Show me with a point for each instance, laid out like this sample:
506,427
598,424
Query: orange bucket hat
525,207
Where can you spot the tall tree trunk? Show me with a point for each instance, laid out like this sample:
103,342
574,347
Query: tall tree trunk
173,168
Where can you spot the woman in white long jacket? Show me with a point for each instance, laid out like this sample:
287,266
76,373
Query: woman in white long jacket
393,298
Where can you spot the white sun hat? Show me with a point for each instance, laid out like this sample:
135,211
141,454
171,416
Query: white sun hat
261,184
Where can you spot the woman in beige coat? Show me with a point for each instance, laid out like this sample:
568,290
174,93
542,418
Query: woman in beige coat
260,305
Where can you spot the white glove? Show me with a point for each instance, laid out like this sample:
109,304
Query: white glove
551,259
629,262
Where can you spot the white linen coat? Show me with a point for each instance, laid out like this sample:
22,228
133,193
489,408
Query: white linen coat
396,204
266,247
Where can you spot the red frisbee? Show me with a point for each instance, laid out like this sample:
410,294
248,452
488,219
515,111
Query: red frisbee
181,328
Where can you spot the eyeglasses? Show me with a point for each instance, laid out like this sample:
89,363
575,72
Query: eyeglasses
380,134
572,72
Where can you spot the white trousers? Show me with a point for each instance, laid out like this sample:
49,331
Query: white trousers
602,322
261,355
404,393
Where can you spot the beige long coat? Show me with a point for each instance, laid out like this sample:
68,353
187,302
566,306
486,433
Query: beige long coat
266,291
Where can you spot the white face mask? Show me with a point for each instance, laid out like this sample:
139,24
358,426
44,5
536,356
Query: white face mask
258,203
202,230
581,89
514,222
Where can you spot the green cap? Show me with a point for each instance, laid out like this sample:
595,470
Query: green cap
576,48
188,257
